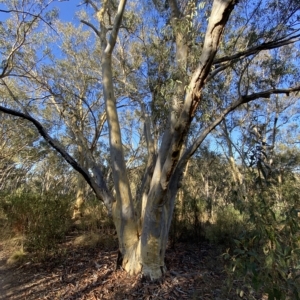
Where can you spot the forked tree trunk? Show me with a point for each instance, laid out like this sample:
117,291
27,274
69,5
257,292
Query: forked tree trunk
143,247
145,252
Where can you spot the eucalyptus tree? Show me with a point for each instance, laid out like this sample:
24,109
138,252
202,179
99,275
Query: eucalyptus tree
16,156
167,64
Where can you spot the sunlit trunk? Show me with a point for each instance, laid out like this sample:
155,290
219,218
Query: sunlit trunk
146,258
79,201
146,253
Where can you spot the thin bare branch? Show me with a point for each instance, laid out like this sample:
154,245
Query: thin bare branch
92,4
14,97
35,16
92,26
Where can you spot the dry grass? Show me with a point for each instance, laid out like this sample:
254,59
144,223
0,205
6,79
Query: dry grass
96,239
88,239
17,257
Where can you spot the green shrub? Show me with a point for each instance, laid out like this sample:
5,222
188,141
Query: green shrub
43,220
267,258
94,217
190,214
229,223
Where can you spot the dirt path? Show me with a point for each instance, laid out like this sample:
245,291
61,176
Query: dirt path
195,272
13,281
6,277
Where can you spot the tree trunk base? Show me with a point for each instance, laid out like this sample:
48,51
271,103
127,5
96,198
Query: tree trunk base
119,260
135,262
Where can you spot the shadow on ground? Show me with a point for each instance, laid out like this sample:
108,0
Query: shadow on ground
195,271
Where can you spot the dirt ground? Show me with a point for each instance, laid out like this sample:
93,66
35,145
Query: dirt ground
195,271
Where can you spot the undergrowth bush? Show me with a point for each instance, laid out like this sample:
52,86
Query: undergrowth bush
188,219
43,220
94,217
267,258
228,224
193,222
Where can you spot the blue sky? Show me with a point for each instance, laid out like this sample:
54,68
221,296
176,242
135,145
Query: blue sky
67,9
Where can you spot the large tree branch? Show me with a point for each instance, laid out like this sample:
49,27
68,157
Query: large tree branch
179,72
175,11
123,210
220,13
98,130
242,100
148,173
177,175
117,23
264,46
101,191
